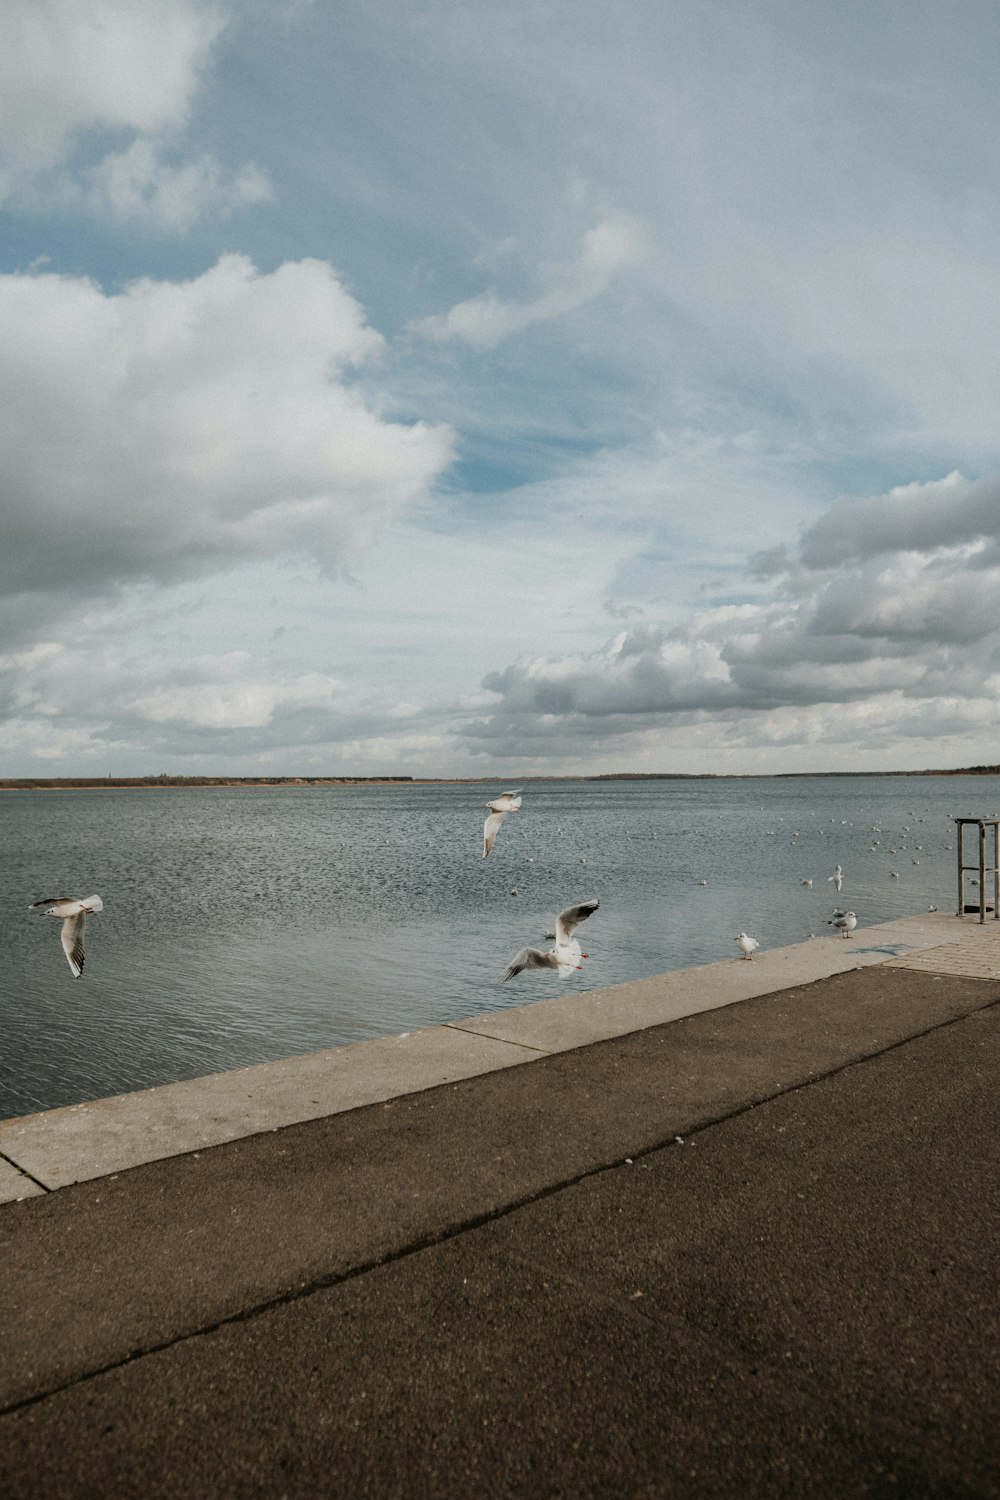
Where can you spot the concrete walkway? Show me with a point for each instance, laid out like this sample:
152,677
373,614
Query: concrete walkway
753,1249
51,1150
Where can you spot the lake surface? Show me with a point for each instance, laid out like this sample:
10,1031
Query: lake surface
247,924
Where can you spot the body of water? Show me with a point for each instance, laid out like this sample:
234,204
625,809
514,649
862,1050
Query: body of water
247,924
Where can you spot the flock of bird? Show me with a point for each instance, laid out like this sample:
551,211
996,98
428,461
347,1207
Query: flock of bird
566,955
844,921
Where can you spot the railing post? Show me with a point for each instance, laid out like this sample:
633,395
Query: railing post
981,867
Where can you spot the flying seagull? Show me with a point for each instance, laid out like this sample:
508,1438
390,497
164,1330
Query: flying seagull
499,808
837,877
72,914
747,945
566,955
844,921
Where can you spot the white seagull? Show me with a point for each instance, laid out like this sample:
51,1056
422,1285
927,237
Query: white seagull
72,914
566,955
747,945
837,877
844,921
499,808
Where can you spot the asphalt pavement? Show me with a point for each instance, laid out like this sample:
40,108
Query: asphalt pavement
752,1252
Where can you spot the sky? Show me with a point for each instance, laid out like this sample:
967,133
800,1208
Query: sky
499,387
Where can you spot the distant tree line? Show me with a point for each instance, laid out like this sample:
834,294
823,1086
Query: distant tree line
40,783
779,775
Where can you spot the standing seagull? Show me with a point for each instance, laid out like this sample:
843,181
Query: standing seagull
505,803
747,945
844,921
837,877
566,955
72,913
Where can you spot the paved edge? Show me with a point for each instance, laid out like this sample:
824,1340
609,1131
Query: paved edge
53,1149
107,1272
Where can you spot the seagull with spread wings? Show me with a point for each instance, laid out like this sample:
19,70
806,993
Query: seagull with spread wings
566,954
506,803
72,913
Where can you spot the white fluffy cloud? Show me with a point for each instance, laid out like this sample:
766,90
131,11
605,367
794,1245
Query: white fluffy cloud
63,694
888,660
124,66
138,185
131,64
180,427
892,610
610,248
230,693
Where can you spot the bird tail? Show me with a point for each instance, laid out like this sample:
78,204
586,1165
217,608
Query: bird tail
92,903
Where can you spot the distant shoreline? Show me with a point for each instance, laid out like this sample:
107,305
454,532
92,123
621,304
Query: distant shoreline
165,783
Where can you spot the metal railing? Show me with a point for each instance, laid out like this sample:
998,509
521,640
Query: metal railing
977,874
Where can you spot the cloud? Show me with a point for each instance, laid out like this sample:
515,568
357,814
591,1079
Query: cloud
910,517
229,693
903,614
138,185
69,72
621,611
178,428
611,247
65,701
127,64
890,660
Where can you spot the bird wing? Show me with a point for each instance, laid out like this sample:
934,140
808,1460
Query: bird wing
51,904
572,917
529,958
72,941
490,830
